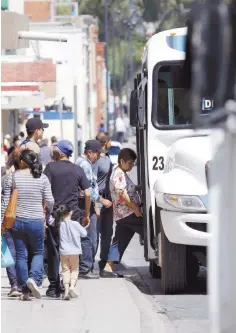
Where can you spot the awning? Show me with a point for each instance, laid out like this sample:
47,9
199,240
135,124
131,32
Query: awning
22,102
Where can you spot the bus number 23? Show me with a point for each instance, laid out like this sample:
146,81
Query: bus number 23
158,163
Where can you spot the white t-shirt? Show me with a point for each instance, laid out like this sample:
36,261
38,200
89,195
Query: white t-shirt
120,125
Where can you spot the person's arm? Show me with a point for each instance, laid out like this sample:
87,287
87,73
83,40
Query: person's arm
81,230
130,204
87,202
47,195
84,185
119,185
6,195
124,195
94,193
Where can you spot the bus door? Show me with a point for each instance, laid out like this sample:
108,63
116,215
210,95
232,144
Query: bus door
141,124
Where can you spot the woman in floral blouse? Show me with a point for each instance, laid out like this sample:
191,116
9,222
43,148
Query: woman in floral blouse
126,207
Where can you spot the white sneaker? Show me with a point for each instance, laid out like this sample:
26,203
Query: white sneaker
66,297
34,288
73,293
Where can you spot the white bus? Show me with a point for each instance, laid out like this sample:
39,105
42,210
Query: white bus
172,165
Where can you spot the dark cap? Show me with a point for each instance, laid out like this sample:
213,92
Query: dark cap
65,146
34,124
93,145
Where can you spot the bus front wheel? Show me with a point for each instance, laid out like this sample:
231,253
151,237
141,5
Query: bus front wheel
173,270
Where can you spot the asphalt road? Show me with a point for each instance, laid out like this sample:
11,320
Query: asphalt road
187,313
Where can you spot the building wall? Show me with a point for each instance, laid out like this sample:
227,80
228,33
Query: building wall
49,89
9,122
37,71
16,6
70,60
38,11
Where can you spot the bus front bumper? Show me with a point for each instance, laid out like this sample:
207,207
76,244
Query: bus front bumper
186,228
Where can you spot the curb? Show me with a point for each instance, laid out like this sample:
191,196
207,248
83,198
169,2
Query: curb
150,320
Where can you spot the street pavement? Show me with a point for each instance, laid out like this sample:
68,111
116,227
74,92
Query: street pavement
134,304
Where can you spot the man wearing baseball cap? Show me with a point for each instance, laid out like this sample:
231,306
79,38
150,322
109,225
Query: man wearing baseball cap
92,151
67,180
34,128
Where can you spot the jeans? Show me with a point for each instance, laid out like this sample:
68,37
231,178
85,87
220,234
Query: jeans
120,137
125,230
11,271
106,231
28,235
89,246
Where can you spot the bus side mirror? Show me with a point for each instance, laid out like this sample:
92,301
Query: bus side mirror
133,108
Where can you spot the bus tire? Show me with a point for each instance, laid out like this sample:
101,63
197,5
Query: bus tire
173,270
193,267
154,270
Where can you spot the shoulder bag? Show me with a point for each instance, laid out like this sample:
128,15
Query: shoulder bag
10,213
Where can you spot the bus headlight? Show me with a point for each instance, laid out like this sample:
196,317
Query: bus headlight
185,202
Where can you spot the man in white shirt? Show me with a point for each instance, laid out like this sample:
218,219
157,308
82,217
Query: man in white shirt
120,129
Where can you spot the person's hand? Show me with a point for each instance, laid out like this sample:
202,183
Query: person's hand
106,203
45,224
85,221
137,212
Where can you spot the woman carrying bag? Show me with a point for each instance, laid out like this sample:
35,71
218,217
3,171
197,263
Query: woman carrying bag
34,190
7,240
126,208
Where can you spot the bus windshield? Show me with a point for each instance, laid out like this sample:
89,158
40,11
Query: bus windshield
173,98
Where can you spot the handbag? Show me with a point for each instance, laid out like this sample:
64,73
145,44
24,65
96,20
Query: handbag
6,257
10,213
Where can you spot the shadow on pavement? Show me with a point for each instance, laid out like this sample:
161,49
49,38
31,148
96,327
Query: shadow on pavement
142,279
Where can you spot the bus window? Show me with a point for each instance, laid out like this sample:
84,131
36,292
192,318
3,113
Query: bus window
172,97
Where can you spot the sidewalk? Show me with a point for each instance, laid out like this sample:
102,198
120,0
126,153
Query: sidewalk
104,306
100,308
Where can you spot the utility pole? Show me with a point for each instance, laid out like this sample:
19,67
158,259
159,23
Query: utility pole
111,115
61,116
113,52
75,123
120,56
106,60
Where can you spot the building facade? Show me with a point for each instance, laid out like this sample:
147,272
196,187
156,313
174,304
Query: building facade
44,73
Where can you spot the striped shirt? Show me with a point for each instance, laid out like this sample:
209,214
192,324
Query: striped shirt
31,193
